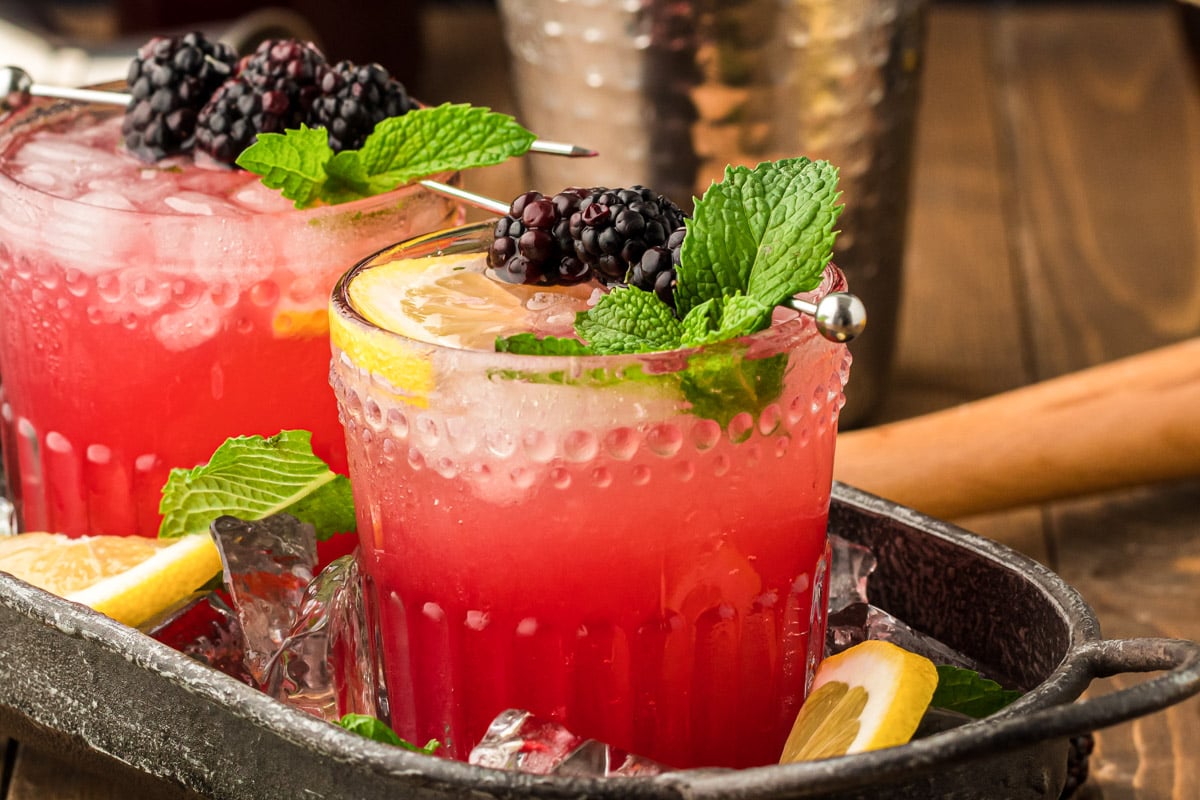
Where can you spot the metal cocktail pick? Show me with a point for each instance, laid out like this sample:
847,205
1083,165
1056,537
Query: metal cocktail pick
840,316
17,89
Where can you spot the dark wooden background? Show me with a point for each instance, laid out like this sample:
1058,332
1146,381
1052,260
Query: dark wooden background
1055,225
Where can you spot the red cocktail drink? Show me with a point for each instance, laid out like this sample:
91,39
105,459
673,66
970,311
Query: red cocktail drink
581,536
148,312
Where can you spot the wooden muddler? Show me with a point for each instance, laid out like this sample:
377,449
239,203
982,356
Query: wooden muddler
1124,423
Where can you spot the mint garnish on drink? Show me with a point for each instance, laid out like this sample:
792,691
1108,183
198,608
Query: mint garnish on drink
252,477
758,237
422,142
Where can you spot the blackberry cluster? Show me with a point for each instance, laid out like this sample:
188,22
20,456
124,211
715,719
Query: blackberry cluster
614,228
532,243
1078,751
617,236
274,89
169,81
353,99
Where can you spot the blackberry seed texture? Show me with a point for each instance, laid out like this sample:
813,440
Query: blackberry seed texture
614,228
532,243
353,99
170,79
1079,750
274,89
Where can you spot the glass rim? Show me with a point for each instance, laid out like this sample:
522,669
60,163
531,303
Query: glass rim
779,337
44,111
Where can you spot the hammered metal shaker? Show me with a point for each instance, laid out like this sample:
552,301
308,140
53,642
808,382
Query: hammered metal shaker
670,91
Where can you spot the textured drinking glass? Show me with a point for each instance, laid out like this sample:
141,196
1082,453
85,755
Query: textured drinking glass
566,535
670,91
148,312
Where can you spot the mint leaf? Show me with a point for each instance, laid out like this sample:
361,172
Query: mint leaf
721,385
529,344
378,731
739,315
429,141
629,320
765,232
251,478
967,692
293,162
424,141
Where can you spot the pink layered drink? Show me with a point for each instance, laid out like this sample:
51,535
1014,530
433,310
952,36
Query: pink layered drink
148,312
565,534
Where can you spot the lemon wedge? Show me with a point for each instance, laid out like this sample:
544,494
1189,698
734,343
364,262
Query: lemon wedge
868,697
130,578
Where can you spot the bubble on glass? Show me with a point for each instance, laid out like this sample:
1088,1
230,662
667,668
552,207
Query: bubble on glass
665,439
741,427
621,443
580,446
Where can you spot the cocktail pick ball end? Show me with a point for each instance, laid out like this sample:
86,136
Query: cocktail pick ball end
15,84
840,316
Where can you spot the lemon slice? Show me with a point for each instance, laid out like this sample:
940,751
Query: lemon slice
445,300
866,698
130,578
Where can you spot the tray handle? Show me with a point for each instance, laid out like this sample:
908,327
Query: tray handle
1102,659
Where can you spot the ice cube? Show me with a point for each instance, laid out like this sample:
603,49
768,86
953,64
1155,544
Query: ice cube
521,741
852,567
268,566
200,204
327,665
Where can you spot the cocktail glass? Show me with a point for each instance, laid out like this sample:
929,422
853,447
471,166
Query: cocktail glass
572,536
148,312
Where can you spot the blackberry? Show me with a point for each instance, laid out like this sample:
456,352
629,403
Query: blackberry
657,270
532,243
169,81
353,99
614,228
274,89
1079,749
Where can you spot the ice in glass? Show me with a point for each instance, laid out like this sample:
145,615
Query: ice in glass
148,312
569,535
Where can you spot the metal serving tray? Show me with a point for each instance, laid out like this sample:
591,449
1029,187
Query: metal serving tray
77,683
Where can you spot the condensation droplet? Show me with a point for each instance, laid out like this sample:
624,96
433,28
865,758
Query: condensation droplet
601,477
537,445
522,477
477,620
560,478
721,465
684,470
397,423
641,475
501,443
374,413
580,446
264,293
665,439
741,427
770,419
621,443
705,434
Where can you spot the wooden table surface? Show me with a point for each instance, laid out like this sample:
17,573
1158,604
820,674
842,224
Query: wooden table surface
1055,225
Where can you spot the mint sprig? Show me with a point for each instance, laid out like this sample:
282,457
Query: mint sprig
252,477
425,141
967,692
